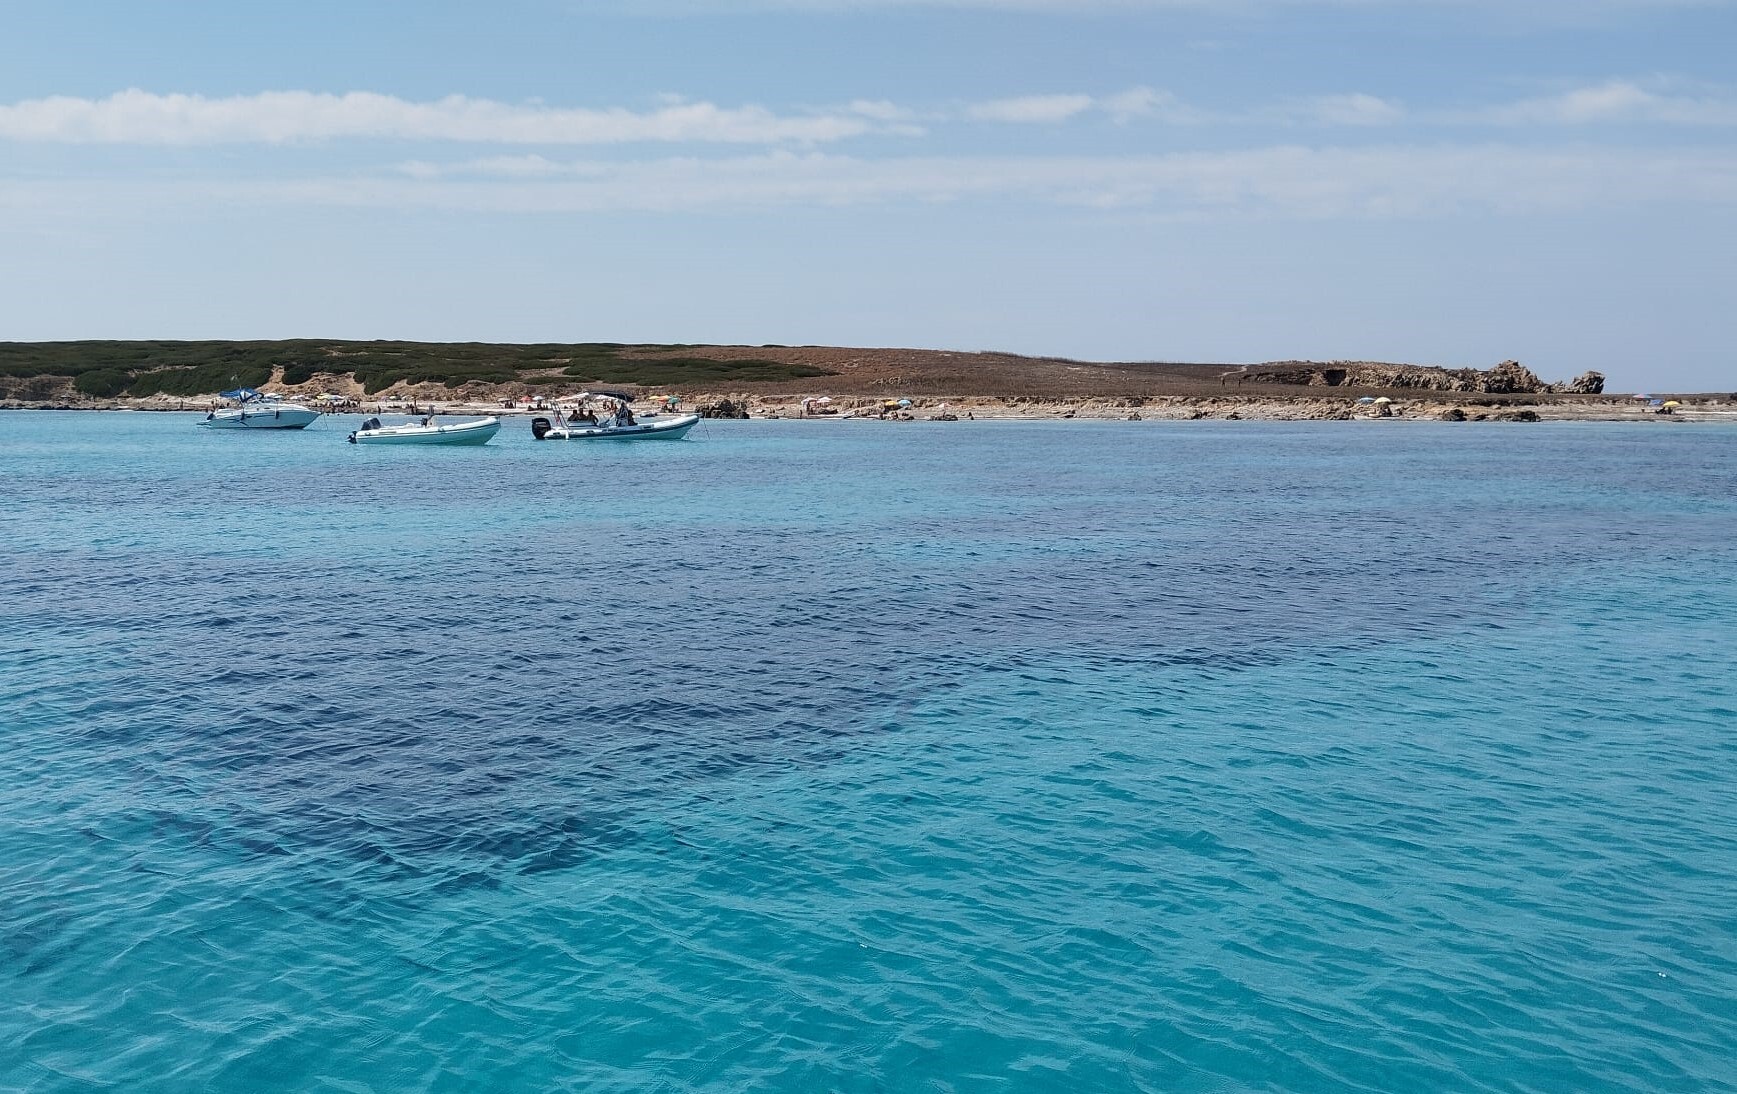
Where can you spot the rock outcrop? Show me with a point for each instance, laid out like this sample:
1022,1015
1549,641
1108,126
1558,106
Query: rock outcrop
1507,378
723,408
1587,383
1511,378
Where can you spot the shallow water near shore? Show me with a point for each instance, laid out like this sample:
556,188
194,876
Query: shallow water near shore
1014,756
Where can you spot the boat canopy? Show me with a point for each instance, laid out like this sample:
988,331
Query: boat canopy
240,394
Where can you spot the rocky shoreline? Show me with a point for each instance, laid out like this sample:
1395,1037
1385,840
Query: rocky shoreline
1433,406
1402,406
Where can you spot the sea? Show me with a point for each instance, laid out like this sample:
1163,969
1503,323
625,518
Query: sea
869,756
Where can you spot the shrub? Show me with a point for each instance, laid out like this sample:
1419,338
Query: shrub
300,372
101,384
200,379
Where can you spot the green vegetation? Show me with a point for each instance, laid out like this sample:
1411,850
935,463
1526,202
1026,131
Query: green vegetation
380,375
300,372
73,358
101,383
198,380
105,369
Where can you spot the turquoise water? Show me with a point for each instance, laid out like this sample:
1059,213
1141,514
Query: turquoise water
869,757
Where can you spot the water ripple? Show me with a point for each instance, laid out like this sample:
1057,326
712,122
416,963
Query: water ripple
1122,758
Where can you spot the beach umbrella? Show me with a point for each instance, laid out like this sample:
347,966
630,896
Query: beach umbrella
1672,402
1643,395
1384,399
1367,399
824,399
904,402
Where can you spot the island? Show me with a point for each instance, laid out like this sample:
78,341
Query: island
804,381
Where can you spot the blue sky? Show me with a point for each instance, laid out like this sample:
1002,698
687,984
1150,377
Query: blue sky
1452,182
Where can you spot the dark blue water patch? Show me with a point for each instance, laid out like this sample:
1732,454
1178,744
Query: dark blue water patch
329,701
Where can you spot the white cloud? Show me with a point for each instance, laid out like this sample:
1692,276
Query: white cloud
1615,101
1123,106
516,167
1145,102
1030,108
1286,182
1292,182
287,117
880,110
1351,109
140,117
1612,102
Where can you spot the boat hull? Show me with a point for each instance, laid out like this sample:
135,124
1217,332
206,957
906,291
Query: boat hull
464,433
277,417
673,429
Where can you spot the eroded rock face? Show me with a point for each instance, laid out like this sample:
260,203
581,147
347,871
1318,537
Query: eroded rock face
36,389
1511,378
1587,383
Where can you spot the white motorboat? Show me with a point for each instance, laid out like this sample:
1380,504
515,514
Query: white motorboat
256,411
616,422
668,429
426,431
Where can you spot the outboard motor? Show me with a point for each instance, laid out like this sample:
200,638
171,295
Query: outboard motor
539,426
371,423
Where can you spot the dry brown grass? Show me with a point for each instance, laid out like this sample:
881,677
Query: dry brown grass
867,372
914,372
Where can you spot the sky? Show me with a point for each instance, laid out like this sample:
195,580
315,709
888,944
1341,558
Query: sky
1448,182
